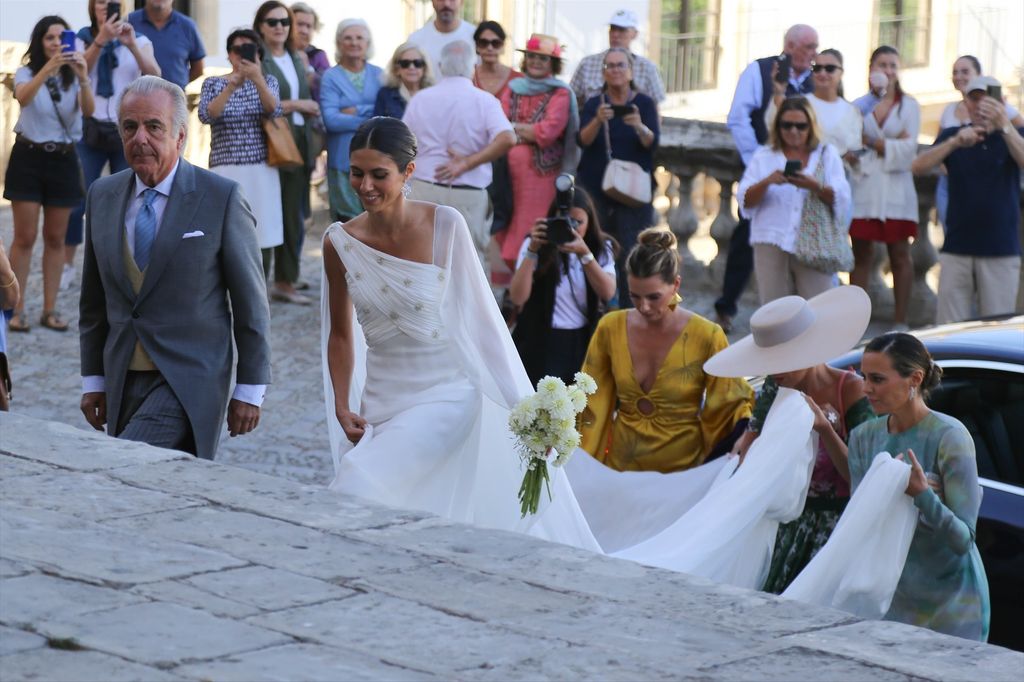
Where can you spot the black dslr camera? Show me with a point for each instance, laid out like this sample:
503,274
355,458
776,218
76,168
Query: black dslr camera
561,226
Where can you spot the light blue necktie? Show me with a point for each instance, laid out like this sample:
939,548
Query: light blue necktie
145,228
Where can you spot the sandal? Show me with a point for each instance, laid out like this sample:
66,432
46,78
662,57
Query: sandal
51,320
17,323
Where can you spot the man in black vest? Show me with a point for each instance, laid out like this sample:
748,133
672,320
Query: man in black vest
746,123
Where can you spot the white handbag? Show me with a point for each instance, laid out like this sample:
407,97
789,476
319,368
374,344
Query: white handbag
624,181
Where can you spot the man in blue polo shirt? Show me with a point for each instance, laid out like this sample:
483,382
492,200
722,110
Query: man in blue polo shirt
982,252
176,43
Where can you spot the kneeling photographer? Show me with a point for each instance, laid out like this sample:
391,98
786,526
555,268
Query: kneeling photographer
565,274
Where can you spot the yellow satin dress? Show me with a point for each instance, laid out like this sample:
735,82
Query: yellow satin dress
673,426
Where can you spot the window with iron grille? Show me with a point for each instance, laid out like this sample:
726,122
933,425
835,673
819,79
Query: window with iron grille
905,25
688,44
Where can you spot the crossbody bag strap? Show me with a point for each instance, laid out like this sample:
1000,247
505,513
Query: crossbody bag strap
53,101
607,134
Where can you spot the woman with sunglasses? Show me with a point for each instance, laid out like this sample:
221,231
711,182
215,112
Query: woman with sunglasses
274,23
841,123
348,94
491,75
773,199
884,198
544,117
626,120
54,91
234,106
408,72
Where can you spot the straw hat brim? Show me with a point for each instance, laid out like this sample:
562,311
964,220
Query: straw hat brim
841,317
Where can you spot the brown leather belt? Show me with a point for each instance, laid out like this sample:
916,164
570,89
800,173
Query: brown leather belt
48,147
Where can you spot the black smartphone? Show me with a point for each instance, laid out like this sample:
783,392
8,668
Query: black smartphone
793,167
558,231
621,110
247,51
113,10
785,63
67,41
995,91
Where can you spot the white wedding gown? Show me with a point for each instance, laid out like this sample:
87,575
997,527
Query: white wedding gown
435,375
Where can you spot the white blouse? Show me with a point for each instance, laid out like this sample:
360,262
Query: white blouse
883,186
777,218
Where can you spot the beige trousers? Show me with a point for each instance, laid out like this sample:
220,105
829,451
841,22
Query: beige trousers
473,204
994,279
780,274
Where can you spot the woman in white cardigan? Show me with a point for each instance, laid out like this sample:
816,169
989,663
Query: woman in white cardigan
884,198
773,200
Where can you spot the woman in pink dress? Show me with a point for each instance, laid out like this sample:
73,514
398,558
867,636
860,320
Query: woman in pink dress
544,114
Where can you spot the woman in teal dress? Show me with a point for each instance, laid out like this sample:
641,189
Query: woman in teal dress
943,586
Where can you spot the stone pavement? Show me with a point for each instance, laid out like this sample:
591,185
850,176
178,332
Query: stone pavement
291,440
120,561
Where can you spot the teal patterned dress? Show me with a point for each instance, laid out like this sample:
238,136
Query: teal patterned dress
798,541
943,586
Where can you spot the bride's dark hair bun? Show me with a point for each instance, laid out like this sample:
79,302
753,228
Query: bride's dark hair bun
389,136
655,254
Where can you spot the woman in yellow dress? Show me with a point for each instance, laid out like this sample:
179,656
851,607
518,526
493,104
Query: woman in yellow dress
655,409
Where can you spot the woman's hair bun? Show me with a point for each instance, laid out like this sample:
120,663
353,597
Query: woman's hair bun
658,238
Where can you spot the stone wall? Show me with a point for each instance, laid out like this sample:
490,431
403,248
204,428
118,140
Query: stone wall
123,561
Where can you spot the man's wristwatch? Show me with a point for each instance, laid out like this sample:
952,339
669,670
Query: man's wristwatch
586,258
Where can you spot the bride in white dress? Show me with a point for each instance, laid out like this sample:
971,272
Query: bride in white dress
420,380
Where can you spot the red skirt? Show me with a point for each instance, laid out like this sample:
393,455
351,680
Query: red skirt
888,231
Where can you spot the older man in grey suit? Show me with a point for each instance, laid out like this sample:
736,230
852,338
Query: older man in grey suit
172,268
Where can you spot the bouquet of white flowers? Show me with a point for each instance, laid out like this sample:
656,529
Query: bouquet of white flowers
544,425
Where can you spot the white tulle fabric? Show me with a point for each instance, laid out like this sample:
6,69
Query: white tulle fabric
859,567
435,375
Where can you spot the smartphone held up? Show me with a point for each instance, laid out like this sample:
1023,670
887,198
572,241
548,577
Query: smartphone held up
67,41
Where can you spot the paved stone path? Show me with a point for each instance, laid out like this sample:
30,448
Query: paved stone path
291,440
120,561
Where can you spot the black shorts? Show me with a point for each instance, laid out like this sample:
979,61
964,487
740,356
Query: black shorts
47,178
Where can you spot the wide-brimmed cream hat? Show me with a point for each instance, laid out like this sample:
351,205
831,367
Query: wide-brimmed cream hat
791,333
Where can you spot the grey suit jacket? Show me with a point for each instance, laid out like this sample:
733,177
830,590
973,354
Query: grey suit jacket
196,292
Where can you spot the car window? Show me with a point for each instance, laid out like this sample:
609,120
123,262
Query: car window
990,403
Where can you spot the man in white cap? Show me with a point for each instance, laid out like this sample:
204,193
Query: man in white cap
589,76
982,252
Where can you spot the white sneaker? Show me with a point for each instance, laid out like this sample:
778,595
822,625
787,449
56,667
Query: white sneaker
67,276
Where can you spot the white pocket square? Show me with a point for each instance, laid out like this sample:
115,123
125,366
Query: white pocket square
190,235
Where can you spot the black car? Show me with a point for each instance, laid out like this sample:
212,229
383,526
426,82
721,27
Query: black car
983,386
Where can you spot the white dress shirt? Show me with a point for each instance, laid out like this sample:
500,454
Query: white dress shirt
247,393
455,115
776,219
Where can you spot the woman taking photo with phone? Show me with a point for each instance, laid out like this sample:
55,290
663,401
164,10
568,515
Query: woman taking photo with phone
234,107
564,276
620,123
884,199
54,92
779,179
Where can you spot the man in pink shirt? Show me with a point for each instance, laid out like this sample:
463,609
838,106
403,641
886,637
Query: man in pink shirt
460,130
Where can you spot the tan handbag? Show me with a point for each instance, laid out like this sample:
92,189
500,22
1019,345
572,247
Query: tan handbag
624,181
282,151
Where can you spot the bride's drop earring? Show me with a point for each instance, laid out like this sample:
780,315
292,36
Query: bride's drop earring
406,190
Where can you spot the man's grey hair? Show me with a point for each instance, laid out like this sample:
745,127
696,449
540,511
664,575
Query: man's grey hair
457,59
143,86
797,30
346,24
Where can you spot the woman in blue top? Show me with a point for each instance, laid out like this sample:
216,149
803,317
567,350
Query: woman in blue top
633,137
408,73
943,586
348,93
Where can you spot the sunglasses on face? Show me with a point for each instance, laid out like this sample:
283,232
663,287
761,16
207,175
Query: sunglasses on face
406,63
273,23
828,68
484,43
790,125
